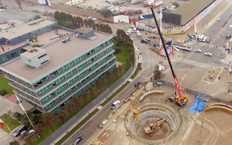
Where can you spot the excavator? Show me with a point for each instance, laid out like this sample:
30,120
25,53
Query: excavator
178,100
153,128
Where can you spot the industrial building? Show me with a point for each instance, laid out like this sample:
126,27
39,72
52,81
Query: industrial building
17,14
65,66
13,40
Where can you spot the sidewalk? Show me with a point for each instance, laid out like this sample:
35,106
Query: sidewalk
96,106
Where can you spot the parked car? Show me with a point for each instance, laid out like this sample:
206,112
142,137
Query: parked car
78,140
139,34
230,27
115,104
228,36
197,50
208,54
204,39
208,40
131,38
219,19
19,130
30,133
148,39
144,41
137,84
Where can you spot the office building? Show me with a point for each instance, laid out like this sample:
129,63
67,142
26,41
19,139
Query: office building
49,76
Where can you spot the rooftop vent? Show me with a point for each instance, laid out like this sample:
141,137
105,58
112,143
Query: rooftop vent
32,50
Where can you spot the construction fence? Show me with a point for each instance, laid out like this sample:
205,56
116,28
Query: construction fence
146,141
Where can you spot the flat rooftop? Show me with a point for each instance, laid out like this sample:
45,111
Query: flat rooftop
23,29
59,52
190,9
42,39
18,12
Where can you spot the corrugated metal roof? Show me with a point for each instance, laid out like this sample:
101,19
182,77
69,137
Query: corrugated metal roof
190,9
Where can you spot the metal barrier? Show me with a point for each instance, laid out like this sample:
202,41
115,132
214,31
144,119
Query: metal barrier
171,136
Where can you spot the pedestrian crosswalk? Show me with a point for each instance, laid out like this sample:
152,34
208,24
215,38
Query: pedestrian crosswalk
196,63
213,46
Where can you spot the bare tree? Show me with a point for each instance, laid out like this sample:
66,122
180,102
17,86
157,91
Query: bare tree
48,120
85,96
62,114
77,102
38,129
70,106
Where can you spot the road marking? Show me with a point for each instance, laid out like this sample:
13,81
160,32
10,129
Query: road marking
196,63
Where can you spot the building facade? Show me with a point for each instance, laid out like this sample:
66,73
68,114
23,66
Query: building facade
56,84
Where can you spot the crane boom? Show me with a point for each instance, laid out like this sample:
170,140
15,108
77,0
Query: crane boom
170,64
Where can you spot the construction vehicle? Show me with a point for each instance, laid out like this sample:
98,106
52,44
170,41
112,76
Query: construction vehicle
153,128
136,111
179,100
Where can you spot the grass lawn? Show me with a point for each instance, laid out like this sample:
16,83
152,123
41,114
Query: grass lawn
123,55
136,71
11,123
4,84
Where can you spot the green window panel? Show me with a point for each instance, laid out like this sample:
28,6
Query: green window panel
68,75
42,91
89,61
73,89
101,46
71,64
48,87
45,79
46,99
77,60
66,67
78,85
4,58
70,82
14,54
56,109
59,71
48,106
73,71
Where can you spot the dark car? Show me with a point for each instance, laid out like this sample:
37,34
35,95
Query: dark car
228,36
19,130
78,140
144,41
136,84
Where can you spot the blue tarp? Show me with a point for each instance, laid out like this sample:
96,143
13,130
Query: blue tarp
198,105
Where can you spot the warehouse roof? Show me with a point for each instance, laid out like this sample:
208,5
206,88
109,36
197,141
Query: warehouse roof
192,8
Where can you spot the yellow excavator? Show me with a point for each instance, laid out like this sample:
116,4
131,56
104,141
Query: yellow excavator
153,128
136,111
180,101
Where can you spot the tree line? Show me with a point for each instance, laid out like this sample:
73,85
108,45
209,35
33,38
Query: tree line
126,41
73,22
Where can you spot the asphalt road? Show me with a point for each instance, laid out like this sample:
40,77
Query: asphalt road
145,73
215,47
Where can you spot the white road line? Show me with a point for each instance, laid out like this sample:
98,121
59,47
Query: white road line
195,63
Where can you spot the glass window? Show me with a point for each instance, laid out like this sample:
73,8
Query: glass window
4,58
66,67
14,54
77,60
45,79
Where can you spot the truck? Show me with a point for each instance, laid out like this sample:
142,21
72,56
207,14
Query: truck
145,16
148,2
159,3
136,1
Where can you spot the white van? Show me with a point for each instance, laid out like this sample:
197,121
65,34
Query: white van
230,27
